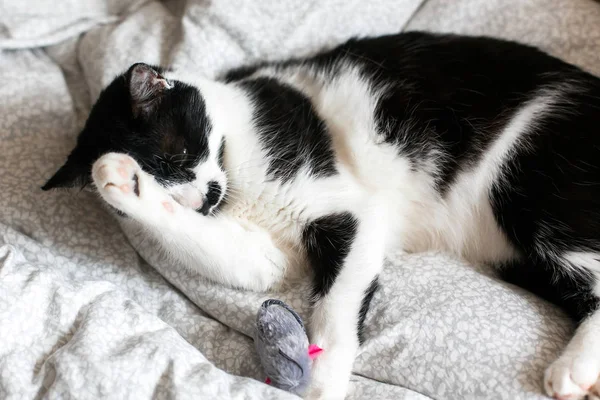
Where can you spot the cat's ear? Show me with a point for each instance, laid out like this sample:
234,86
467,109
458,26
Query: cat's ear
72,174
146,86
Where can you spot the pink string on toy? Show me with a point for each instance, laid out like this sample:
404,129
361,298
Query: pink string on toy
314,351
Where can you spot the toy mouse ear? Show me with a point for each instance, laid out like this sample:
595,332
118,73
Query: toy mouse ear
146,86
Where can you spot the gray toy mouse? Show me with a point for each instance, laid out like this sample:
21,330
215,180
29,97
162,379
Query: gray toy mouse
282,345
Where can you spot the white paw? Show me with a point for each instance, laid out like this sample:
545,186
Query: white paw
327,385
330,374
121,182
572,376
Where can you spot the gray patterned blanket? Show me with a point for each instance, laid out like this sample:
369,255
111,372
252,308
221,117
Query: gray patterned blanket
83,316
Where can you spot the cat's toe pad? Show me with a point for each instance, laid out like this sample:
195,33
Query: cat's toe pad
571,377
118,180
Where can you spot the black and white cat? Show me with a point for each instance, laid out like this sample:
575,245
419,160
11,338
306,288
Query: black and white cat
484,148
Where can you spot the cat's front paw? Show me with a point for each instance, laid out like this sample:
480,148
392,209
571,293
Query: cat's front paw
123,184
573,376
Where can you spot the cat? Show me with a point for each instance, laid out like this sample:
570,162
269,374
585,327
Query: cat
484,148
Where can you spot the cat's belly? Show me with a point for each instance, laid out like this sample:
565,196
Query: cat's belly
462,223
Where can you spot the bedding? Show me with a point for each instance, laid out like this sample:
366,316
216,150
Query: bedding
88,313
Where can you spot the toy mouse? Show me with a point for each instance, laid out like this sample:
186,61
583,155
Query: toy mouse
283,348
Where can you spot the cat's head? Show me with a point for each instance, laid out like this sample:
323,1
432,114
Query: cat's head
161,123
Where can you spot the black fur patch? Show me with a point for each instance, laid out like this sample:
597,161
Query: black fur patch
290,131
551,190
573,293
364,308
548,202
214,193
328,241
